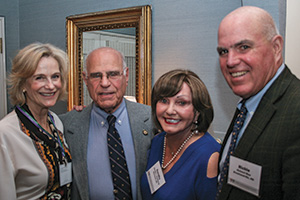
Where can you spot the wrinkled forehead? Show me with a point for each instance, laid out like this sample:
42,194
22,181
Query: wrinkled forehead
104,61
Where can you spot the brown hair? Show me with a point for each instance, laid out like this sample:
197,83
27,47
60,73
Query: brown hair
170,83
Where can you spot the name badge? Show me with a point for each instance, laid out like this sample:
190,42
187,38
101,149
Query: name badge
155,177
65,173
244,175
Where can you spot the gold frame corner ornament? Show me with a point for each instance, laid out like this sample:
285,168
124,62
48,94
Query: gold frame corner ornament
138,17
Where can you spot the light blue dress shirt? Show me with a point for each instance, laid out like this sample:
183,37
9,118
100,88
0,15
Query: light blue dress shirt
251,105
99,174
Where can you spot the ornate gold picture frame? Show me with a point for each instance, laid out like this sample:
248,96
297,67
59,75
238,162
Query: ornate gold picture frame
137,17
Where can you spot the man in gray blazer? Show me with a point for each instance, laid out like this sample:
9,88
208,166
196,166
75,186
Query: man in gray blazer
266,159
106,77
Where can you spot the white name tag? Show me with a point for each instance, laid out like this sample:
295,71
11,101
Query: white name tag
65,173
244,175
155,177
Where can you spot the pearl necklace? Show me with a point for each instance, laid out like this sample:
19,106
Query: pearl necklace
178,151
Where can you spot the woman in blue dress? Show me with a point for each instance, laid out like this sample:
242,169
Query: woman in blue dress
183,159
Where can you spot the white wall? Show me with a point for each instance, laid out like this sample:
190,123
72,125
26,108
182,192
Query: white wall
292,41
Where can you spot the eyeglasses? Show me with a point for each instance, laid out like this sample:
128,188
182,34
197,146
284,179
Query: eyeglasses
110,75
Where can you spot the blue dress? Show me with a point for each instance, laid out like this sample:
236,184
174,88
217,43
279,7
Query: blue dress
187,179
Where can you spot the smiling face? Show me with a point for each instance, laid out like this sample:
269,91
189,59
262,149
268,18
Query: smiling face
43,87
107,93
248,59
176,114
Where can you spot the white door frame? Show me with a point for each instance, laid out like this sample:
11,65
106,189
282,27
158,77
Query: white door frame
3,93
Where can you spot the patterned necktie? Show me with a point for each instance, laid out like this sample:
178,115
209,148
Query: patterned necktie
238,124
119,170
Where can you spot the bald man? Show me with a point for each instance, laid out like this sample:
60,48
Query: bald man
106,77
265,161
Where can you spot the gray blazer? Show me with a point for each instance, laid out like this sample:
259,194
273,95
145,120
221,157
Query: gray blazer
76,129
272,140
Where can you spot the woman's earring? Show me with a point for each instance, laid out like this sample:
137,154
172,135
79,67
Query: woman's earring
196,131
23,92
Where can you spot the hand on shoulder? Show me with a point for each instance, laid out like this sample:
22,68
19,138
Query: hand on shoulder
78,108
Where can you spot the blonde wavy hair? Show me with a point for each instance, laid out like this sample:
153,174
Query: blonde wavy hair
25,64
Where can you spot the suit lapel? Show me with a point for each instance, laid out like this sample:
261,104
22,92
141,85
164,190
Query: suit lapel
263,114
137,121
255,128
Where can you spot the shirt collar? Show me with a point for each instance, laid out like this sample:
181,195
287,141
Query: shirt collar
252,103
119,113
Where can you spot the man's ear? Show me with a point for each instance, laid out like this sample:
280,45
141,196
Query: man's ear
127,75
84,77
277,42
